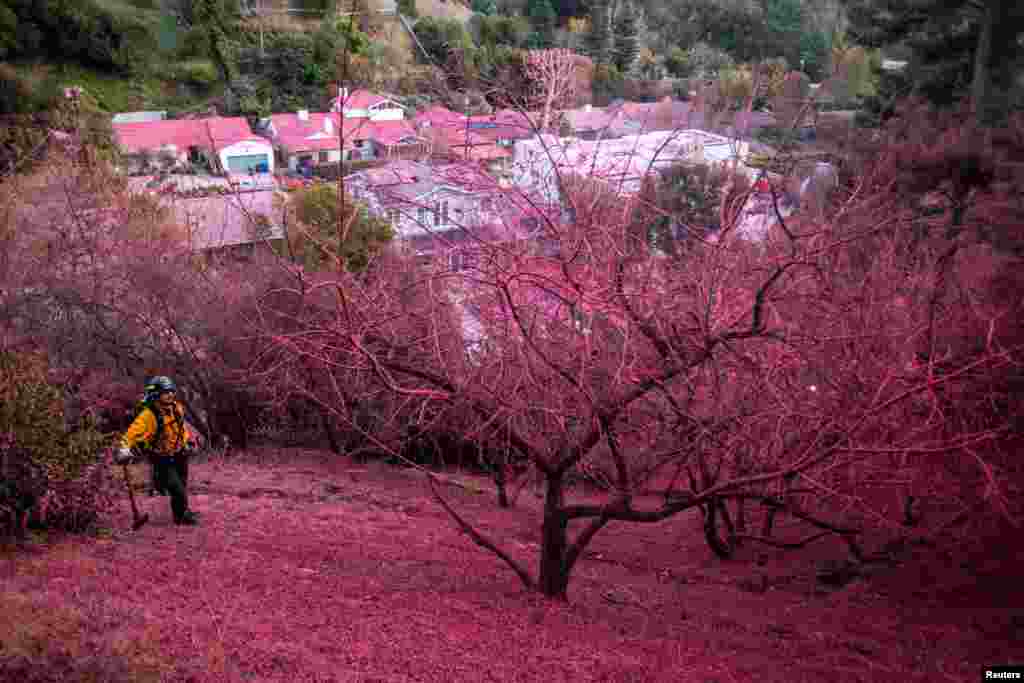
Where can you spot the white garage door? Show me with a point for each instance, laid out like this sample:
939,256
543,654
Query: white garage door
249,163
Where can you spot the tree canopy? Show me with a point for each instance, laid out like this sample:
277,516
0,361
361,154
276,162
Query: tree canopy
336,226
961,49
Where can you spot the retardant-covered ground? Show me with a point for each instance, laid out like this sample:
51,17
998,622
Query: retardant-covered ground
308,568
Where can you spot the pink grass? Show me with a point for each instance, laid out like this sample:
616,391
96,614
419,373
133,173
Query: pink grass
320,571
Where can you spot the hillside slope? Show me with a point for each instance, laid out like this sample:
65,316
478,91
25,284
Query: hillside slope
310,567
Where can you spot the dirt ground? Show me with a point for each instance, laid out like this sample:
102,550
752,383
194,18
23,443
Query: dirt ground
307,568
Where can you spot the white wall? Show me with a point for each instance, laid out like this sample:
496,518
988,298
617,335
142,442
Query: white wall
375,114
333,156
394,114
246,148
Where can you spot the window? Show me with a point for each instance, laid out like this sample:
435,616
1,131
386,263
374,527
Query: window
421,214
394,215
324,157
463,259
440,212
580,320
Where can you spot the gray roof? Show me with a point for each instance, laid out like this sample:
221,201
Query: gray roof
139,116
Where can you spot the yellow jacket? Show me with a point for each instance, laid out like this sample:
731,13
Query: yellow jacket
175,434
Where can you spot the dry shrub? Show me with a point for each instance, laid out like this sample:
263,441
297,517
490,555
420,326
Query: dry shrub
43,462
46,645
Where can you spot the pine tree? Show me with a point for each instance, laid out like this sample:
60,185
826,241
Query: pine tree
627,45
542,19
961,48
598,41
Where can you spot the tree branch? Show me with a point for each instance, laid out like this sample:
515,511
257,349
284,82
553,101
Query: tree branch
479,538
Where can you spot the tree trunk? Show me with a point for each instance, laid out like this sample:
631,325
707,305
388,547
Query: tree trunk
981,81
722,547
554,574
501,483
332,437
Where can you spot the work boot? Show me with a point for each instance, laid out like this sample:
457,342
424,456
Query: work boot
188,519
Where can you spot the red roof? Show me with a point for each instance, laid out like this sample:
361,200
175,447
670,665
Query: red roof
438,115
588,120
516,124
183,133
309,135
381,132
389,132
358,99
291,123
484,152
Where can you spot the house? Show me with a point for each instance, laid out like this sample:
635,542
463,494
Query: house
139,116
216,215
588,122
225,144
381,139
437,208
311,138
894,64
486,139
363,104
304,138
621,163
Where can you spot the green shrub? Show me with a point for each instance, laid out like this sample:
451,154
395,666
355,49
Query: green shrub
408,8
706,61
608,83
108,35
193,43
678,64
200,72
43,460
16,93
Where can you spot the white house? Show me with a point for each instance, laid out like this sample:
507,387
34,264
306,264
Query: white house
622,163
228,141
305,137
363,104
446,209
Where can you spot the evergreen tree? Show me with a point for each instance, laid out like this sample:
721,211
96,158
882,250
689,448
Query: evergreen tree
783,26
542,18
961,48
598,41
626,45
487,8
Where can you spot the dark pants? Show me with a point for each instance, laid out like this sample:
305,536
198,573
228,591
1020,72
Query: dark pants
171,475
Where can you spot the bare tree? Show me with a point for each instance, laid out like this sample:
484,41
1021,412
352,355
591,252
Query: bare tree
555,80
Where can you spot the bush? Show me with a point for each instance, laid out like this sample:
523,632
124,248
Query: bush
707,61
678,64
776,136
201,72
42,461
16,93
408,8
194,43
607,85
82,30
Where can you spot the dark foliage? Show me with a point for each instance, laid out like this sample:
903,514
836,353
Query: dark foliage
82,30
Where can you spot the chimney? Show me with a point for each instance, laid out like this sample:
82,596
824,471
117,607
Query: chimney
303,114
